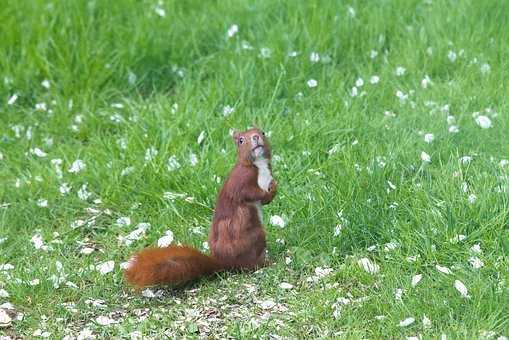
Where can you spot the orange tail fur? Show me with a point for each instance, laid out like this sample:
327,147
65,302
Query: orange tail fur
173,264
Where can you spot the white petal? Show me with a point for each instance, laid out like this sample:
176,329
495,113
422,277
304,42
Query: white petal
476,262
37,241
77,166
406,322
277,221
201,137
312,83
123,221
268,304
166,240
461,288
444,270
484,122
416,279
285,285
368,265
425,157
12,99
87,251
429,137
148,293
233,30
104,320
322,272
476,248
106,267
426,322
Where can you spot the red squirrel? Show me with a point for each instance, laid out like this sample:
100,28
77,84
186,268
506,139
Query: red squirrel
236,238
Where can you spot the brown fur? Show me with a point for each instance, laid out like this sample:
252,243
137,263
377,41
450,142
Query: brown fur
236,239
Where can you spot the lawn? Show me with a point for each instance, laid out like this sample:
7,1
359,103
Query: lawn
388,122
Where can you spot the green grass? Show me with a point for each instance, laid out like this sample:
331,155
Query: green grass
173,76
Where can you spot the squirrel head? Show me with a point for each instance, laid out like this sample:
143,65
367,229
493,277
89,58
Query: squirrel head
252,145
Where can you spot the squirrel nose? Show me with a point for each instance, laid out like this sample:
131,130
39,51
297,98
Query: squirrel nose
256,138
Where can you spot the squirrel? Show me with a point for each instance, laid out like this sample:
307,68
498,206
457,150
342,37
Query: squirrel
236,238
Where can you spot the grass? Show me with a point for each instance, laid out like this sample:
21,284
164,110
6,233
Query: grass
339,161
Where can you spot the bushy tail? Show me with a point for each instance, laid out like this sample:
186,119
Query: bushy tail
173,264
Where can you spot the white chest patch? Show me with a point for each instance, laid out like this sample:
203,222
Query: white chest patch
264,175
264,179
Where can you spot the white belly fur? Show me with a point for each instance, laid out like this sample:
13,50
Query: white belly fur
264,179
264,175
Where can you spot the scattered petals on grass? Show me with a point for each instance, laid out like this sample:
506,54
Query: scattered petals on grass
37,241
166,239
429,137
43,203
454,129
77,166
267,304
476,249
368,265
426,322
46,84
314,57
458,238
87,251
6,266
485,68
425,82
320,273
444,270
484,122
277,221
124,221
425,157
173,163
106,267
135,235
416,279
12,99
86,334
232,30
160,11
150,154
285,285
460,287
400,71
42,334
390,246
64,189
228,110
105,320
312,83
398,294
406,322
472,198
476,262
38,152
149,293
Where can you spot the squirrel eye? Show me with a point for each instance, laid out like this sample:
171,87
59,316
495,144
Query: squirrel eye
241,140
263,133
